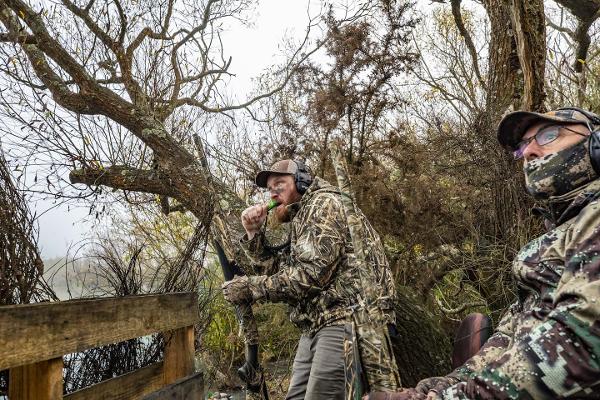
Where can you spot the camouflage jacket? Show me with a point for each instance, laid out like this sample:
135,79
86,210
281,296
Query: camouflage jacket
547,345
317,274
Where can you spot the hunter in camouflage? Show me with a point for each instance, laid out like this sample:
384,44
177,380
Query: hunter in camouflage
317,275
547,345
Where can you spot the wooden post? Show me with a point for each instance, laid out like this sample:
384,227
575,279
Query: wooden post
188,388
40,381
179,354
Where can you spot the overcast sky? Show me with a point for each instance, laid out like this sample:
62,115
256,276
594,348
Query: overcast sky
252,50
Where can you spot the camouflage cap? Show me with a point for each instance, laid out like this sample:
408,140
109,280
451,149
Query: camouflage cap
283,167
514,125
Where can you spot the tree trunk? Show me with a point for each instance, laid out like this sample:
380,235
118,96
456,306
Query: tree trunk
515,81
505,88
528,20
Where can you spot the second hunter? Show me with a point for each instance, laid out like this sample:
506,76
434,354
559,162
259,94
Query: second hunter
317,276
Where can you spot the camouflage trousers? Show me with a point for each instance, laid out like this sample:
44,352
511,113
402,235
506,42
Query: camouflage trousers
369,356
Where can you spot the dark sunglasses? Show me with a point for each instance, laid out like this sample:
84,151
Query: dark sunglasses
544,136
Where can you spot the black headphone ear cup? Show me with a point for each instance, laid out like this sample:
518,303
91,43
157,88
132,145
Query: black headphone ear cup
595,151
302,178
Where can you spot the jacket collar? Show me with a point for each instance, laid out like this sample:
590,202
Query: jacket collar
562,208
318,185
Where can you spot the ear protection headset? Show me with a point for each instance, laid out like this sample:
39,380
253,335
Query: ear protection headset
302,177
594,127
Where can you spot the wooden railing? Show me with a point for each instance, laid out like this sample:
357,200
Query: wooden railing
34,338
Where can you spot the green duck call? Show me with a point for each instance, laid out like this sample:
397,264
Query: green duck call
272,204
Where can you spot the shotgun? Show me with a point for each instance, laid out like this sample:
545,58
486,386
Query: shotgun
251,372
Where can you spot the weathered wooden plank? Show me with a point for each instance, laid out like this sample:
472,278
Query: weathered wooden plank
35,332
188,388
39,381
179,354
133,385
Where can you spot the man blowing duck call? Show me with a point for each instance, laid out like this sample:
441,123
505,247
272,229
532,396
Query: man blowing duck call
316,275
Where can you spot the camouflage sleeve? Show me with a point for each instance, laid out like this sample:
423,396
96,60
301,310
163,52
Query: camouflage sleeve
264,261
492,348
559,357
320,238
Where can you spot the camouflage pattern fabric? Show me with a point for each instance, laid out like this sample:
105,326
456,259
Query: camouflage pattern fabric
559,173
248,326
253,396
369,359
375,349
355,385
513,126
368,319
318,275
435,383
547,345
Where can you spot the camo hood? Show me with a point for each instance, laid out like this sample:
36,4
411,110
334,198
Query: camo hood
318,186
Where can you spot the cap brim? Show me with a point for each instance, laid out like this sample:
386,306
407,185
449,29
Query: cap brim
514,125
263,176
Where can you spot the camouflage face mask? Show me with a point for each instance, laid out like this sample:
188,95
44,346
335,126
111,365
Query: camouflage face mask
559,173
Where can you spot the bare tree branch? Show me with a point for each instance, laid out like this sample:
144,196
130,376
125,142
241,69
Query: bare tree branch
148,32
587,12
70,100
124,178
190,35
22,38
123,18
96,30
51,46
21,267
202,104
559,28
92,98
583,40
582,9
124,58
467,37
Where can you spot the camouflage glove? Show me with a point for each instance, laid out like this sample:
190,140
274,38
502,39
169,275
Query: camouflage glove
406,394
244,289
435,383
237,290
